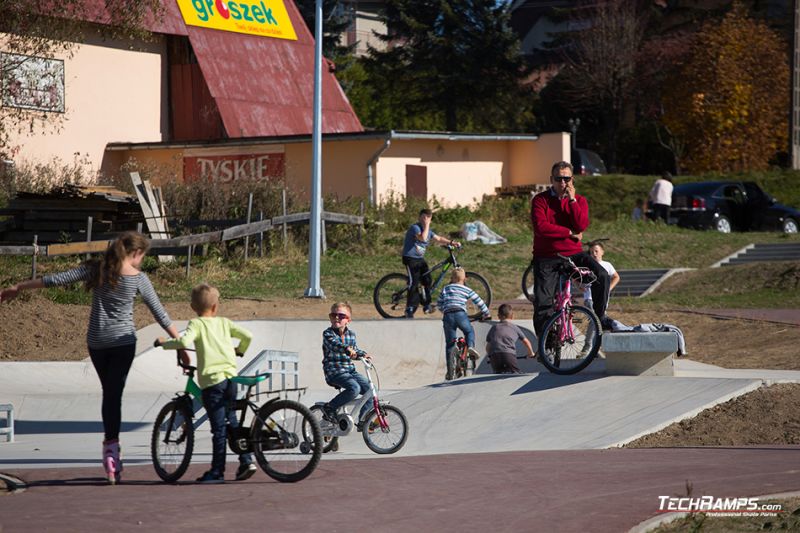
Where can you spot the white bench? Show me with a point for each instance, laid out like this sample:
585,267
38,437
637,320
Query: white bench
639,354
8,431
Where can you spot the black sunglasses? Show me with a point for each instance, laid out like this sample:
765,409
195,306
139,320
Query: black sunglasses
565,179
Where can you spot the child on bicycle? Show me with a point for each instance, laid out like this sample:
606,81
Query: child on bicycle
453,305
216,364
418,236
501,343
339,349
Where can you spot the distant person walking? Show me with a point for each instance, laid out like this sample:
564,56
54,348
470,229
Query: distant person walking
661,197
114,280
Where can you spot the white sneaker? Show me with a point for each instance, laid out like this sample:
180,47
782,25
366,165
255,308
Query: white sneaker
473,353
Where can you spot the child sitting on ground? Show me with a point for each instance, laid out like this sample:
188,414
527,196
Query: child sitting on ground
501,343
339,349
453,305
216,364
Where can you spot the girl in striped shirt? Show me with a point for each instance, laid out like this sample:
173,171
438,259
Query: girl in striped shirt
453,305
114,280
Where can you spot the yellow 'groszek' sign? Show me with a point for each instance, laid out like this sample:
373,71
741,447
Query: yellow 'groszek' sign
255,17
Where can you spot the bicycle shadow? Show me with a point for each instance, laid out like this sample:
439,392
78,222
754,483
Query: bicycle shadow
38,427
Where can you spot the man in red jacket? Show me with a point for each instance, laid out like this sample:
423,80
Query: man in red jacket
560,216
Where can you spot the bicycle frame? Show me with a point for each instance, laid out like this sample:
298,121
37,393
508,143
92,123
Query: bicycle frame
371,394
445,265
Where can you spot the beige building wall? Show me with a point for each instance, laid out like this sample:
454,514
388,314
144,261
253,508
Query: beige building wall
111,93
456,172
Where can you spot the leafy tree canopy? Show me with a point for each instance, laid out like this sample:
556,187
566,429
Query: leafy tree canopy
449,65
730,102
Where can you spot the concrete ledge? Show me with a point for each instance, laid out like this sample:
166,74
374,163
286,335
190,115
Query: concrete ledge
639,354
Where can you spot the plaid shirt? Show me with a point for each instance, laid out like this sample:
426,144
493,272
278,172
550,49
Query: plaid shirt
335,357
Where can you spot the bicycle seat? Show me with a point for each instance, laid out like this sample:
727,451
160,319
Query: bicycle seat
249,381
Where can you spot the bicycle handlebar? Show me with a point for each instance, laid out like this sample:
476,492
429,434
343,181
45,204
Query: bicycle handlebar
190,368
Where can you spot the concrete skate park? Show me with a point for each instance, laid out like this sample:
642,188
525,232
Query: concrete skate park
521,446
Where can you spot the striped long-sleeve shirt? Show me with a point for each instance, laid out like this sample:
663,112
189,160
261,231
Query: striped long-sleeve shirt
111,319
335,356
454,297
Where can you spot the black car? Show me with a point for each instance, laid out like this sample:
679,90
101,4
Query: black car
730,205
587,163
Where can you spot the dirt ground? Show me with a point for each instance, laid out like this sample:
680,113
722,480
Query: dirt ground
34,329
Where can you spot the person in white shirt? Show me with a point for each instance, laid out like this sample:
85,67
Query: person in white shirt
661,197
597,251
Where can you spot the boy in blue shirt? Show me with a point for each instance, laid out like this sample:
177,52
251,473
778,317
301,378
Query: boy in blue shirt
453,305
415,244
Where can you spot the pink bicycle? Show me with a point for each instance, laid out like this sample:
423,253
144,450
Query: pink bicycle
571,337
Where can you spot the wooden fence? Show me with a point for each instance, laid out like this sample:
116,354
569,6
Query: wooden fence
242,231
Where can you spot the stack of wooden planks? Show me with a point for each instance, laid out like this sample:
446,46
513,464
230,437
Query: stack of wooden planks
62,215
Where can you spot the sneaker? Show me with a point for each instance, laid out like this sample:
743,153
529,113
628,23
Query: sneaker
373,426
607,323
329,414
245,471
428,309
473,353
211,478
448,376
408,314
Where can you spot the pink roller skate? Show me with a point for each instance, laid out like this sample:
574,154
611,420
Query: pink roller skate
111,461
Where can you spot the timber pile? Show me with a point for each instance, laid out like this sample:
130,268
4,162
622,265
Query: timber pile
62,214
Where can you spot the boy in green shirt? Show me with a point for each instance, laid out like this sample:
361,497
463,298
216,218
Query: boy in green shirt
216,364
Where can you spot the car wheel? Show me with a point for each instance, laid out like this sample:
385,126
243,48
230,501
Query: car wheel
722,224
790,225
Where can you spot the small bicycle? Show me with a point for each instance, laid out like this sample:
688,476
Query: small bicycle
571,337
461,361
384,427
274,436
391,292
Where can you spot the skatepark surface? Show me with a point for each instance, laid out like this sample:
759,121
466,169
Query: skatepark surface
525,452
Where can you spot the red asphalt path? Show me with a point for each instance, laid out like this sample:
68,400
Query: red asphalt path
565,491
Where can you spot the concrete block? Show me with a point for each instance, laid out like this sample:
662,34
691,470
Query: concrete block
639,354
8,431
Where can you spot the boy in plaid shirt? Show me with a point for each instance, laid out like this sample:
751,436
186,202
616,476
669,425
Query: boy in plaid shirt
339,349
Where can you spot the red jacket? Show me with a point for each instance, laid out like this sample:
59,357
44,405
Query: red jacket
553,220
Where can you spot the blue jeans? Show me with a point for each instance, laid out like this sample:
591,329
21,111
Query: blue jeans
352,384
218,401
452,322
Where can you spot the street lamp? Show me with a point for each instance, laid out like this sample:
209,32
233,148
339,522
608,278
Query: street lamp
574,124
314,290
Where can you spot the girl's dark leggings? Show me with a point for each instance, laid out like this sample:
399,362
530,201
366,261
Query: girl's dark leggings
112,366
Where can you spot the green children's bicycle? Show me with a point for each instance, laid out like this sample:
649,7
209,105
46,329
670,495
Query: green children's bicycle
275,435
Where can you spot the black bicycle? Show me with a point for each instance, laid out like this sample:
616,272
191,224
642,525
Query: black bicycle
276,435
391,292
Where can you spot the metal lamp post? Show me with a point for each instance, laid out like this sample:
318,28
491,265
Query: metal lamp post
314,289
574,123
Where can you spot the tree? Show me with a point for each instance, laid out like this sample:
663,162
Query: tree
335,21
451,64
601,64
46,29
730,103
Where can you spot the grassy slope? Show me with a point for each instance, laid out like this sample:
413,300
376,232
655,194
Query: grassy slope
351,267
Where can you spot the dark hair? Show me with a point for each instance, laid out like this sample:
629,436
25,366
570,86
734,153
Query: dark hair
560,166
107,270
425,211
504,311
667,176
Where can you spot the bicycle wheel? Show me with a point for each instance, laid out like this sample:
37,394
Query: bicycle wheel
527,283
387,433
277,444
478,283
172,442
329,442
567,348
390,295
